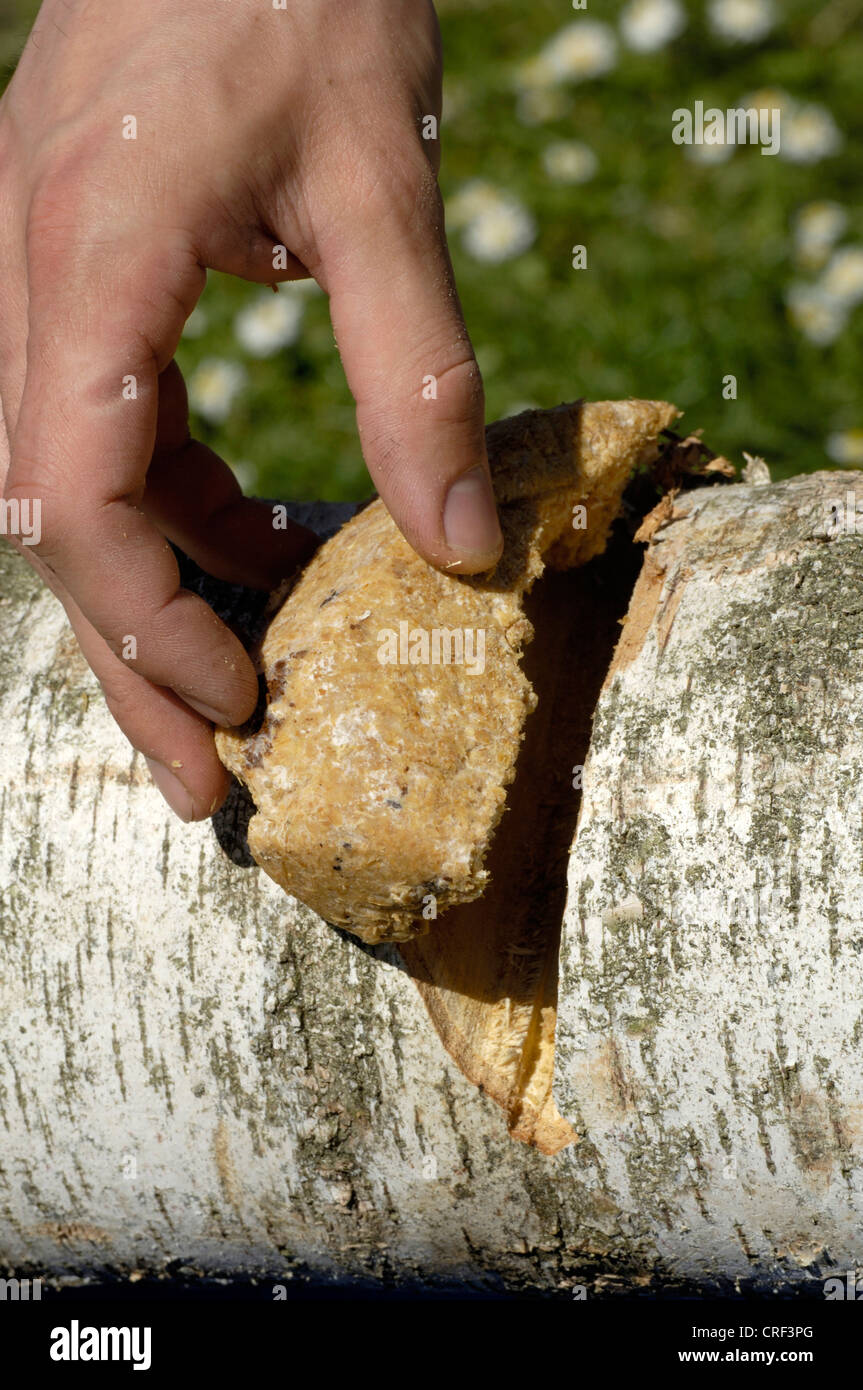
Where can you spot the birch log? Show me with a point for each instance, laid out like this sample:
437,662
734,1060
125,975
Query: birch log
198,1073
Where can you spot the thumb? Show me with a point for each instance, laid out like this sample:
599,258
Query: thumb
412,370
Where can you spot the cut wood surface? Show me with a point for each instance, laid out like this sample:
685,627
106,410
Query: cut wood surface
198,1073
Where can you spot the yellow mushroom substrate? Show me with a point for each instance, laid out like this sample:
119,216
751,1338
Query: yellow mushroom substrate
379,779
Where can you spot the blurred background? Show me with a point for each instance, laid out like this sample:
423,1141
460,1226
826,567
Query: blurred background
703,263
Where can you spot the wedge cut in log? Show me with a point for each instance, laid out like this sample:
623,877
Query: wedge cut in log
396,699
379,788
198,1071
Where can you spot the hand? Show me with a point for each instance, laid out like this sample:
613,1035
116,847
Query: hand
256,128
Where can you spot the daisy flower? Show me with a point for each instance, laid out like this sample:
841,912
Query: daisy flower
808,134
270,323
495,226
843,278
569,161
214,386
741,21
587,48
502,230
648,25
474,197
817,227
819,317
846,446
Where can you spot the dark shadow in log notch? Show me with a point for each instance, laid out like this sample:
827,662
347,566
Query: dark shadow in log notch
488,971
504,946
576,616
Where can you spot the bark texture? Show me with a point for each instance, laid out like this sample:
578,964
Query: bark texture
711,975
196,1072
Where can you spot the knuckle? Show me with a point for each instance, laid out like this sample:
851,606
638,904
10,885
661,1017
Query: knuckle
457,383
393,182
460,375
458,401
409,189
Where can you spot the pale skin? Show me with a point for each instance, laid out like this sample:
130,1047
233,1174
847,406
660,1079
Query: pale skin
256,128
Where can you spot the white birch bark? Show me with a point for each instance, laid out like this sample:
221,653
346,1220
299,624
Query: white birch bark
711,987
195,1071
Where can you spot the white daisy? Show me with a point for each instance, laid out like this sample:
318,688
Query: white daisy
569,161
495,225
500,231
843,278
271,322
474,197
817,227
586,48
807,134
741,21
846,446
648,25
819,317
214,386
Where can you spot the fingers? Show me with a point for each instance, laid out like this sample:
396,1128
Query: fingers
176,743
193,498
98,340
410,365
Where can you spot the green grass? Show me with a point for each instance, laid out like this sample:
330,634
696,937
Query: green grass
688,264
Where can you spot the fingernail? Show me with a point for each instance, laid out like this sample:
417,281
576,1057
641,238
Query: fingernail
172,789
470,517
215,716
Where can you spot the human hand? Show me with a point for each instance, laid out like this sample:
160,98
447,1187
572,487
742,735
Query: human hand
256,128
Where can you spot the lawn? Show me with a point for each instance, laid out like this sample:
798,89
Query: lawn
725,280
